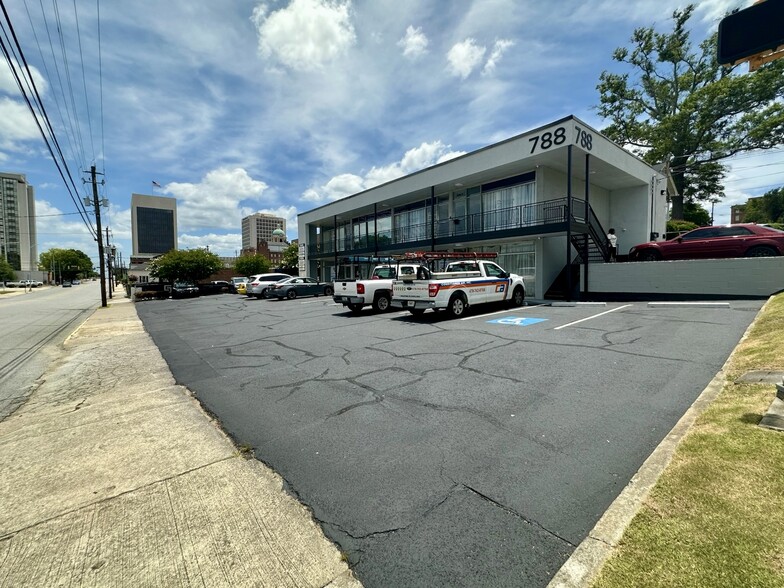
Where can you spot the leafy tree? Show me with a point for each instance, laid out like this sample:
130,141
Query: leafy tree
291,256
67,264
696,214
682,107
6,271
190,265
247,265
768,208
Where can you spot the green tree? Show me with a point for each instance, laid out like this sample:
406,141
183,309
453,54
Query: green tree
768,208
189,265
291,256
6,271
66,264
696,214
680,106
247,265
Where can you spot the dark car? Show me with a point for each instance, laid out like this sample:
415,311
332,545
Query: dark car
744,240
215,287
184,290
294,287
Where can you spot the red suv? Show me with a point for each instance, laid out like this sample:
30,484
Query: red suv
747,240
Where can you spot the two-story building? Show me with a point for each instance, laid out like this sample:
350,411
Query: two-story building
543,201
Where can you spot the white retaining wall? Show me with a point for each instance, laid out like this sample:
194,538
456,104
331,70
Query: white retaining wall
743,277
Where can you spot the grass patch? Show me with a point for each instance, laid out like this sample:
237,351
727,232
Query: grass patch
716,516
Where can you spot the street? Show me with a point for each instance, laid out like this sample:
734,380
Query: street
34,323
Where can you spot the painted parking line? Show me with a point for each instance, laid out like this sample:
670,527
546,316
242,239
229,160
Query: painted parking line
478,316
518,321
591,317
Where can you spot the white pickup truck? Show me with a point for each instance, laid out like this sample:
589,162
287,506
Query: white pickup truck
356,294
464,283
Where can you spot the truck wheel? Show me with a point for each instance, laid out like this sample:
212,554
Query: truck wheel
328,291
381,302
518,296
416,311
457,305
355,308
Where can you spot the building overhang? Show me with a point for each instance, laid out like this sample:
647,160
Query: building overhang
609,167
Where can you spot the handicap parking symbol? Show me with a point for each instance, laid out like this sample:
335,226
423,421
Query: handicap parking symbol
519,321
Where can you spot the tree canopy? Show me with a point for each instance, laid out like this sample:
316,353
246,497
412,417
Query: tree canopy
679,106
66,264
189,265
6,271
768,208
291,255
249,264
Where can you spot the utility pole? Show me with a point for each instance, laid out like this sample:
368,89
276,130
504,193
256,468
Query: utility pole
97,205
109,261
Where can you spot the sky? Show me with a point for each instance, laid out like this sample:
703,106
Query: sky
243,106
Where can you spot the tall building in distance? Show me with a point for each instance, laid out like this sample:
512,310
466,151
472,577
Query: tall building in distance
18,239
261,227
153,225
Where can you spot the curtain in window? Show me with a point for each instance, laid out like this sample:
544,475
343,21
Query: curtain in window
507,208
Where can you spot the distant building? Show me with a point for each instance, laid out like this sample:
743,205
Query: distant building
260,227
153,224
153,231
18,239
738,211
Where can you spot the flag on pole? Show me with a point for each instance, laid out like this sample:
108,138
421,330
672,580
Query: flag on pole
156,184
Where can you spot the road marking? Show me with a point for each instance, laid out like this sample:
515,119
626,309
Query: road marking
518,321
468,318
591,317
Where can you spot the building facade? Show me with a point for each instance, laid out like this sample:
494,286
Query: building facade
18,238
153,231
153,225
260,227
543,201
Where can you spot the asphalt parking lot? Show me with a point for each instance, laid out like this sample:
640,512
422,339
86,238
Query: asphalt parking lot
441,452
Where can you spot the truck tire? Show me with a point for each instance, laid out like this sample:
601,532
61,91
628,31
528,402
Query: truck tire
381,302
355,308
457,305
518,296
328,291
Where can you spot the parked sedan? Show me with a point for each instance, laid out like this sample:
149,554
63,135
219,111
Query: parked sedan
744,240
294,287
184,290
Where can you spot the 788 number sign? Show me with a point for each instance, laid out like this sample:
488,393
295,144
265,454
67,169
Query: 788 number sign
549,139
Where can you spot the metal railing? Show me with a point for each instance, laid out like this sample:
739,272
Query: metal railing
486,223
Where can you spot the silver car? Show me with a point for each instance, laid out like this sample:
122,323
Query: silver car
259,284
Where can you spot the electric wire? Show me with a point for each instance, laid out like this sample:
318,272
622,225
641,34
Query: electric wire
43,112
84,82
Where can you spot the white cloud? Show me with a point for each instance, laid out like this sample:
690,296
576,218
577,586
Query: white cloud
414,43
426,155
226,245
499,49
306,34
464,57
8,83
215,201
16,124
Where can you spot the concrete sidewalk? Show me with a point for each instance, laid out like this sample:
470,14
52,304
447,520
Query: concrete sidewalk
112,475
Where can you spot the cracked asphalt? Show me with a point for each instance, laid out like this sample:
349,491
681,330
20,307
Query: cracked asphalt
441,452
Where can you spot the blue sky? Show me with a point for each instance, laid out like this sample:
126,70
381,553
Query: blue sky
246,106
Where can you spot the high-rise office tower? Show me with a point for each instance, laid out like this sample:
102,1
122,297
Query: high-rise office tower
18,239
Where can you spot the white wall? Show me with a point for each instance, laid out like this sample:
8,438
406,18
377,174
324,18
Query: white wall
745,276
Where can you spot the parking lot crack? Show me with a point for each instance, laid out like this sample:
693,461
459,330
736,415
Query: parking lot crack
513,512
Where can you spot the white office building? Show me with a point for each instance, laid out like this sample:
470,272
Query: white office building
18,239
543,201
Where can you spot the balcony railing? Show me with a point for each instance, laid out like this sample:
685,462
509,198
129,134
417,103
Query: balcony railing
539,214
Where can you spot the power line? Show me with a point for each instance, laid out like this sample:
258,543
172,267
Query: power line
31,83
